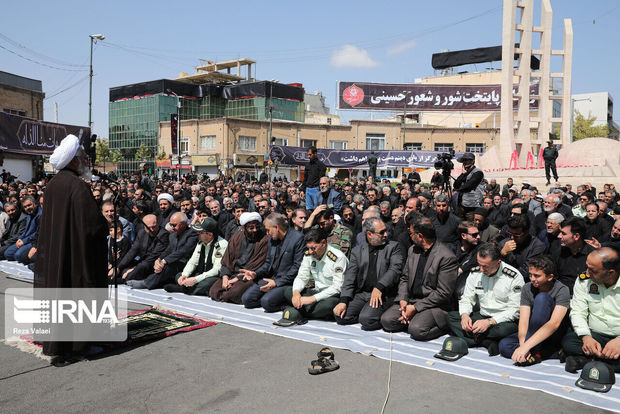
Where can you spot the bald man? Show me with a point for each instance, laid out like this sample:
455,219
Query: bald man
181,245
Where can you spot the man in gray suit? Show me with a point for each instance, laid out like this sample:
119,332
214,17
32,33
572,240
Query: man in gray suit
425,288
371,279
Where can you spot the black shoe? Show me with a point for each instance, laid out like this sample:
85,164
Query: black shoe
174,288
575,363
535,358
491,346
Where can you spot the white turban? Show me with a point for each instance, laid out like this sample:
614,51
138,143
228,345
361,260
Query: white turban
165,196
247,217
64,153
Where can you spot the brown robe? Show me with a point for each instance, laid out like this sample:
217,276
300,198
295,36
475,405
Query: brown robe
71,247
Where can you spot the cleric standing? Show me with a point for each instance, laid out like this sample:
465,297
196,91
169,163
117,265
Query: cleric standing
71,248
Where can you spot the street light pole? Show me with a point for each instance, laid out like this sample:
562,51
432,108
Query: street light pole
178,132
90,83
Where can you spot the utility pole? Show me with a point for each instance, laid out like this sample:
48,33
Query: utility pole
178,132
90,83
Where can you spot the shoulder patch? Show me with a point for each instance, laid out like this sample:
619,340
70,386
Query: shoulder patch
584,276
516,289
217,245
509,272
332,256
338,270
218,254
593,289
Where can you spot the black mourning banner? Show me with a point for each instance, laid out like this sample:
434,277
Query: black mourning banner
424,97
28,136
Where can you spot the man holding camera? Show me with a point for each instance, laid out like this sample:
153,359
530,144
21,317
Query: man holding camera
469,184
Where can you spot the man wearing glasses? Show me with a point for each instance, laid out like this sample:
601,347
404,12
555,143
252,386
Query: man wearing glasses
519,247
580,209
371,279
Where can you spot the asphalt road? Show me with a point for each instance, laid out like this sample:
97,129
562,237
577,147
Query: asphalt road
224,369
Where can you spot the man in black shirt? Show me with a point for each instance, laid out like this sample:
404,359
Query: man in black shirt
550,154
570,259
312,175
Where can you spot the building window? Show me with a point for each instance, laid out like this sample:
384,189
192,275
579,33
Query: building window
280,141
207,143
375,142
185,145
444,147
413,146
477,148
15,112
307,143
338,145
247,143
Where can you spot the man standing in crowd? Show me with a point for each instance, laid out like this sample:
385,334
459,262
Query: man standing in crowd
71,246
550,154
371,278
312,175
286,251
372,165
469,184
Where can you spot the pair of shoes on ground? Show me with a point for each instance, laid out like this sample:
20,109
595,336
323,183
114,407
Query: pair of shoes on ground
325,363
136,284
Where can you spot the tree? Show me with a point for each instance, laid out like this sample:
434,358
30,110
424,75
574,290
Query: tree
584,127
162,154
104,154
143,153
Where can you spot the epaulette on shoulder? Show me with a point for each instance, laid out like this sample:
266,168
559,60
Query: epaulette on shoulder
509,272
217,245
584,276
475,269
332,256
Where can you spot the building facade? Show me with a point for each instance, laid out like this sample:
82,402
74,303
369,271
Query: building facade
23,97
599,105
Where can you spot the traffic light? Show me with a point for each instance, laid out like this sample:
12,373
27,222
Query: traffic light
174,126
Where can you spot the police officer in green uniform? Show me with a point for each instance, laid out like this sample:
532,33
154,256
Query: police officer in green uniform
497,287
202,269
338,235
595,313
324,265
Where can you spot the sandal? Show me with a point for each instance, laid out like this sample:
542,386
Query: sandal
325,353
323,365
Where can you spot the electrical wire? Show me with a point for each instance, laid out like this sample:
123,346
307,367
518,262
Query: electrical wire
41,63
387,395
69,87
39,55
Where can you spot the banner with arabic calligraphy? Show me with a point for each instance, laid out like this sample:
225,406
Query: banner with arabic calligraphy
354,159
424,97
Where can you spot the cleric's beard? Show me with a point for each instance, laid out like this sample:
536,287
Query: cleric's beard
85,172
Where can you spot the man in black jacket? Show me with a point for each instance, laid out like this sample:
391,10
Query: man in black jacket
312,175
550,154
181,245
149,244
371,278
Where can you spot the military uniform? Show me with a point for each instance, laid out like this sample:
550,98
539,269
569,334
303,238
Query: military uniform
595,311
341,237
499,296
208,278
327,274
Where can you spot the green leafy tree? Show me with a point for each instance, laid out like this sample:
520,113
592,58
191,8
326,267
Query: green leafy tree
143,153
104,154
584,127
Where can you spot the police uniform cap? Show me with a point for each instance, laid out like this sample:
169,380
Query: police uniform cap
596,376
453,349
